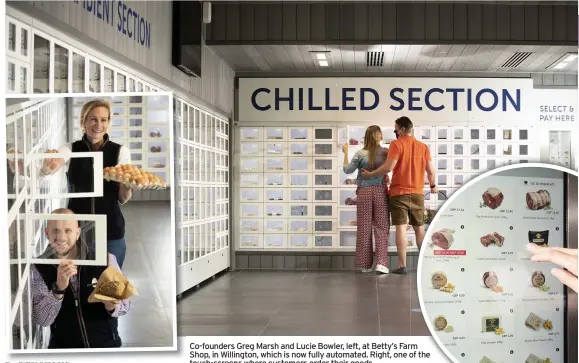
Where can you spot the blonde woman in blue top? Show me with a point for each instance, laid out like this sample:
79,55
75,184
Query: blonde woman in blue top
372,209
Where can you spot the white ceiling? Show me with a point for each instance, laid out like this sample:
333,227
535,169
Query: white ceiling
397,58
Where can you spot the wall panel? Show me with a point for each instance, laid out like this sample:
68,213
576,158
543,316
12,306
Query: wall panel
389,20
531,23
518,22
215,87
233,21
551,80
375,21
303,22
247,14
361,21
416,22
289,22
560,23
318,26
460,22
475,21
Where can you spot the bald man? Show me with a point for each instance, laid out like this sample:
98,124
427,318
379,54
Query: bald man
60,293
64,238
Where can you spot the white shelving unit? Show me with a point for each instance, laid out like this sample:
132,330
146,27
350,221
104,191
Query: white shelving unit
32,128
141,123
39,63
202,175
288,188
293,191
560,151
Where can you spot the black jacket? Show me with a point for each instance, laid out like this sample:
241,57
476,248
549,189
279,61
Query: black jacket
80,179
80,324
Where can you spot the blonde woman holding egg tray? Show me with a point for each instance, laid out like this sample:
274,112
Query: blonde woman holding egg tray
95,118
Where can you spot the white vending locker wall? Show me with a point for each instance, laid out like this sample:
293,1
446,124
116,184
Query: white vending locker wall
31,127
470,125
498,297
42,59
202,192
289,186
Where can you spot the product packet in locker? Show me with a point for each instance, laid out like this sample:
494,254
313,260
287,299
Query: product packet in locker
444,283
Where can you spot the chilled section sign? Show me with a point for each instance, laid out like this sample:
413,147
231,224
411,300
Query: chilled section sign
398,99
380,99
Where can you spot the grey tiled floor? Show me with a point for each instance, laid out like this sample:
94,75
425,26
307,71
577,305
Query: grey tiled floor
148,265
302,303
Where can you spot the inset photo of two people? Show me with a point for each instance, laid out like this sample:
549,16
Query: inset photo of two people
91,236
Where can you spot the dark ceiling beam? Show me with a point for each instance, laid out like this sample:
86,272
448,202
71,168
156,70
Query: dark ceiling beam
383,22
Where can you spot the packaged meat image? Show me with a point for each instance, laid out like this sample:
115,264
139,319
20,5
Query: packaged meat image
443,238
493,198
538,200
491,281
492,239
540,238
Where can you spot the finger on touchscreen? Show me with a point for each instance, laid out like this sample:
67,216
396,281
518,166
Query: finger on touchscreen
567,251
558,258
566,278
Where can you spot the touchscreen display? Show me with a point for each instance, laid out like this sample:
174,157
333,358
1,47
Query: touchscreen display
484,299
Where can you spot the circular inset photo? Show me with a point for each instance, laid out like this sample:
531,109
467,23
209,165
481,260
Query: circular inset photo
497,274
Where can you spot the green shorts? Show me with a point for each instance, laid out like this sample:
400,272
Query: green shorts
407,209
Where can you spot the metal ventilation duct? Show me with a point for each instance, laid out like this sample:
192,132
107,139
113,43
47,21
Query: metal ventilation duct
374,59
516,60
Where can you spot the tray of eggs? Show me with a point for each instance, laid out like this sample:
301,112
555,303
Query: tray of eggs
134,178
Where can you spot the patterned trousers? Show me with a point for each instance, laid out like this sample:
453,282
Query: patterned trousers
372,216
